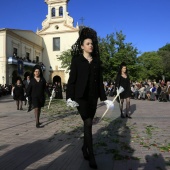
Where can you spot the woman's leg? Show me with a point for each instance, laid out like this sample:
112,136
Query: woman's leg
39,112
88,141
87,109
20,103
128,107
36,116
121,108
17,103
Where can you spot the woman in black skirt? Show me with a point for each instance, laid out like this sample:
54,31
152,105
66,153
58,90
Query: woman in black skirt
123,80
36,92
85,86
18,94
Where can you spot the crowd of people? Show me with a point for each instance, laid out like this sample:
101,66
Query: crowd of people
5,89
27,59
146,90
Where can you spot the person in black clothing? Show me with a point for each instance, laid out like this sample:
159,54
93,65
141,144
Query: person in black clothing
26,83
85,86
36,92
123,80
18,94
58,90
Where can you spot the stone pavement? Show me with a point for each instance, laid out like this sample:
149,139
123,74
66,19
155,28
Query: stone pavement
140,143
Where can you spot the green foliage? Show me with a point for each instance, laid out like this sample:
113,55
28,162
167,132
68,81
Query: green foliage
150,66
114,51
164,53
65,59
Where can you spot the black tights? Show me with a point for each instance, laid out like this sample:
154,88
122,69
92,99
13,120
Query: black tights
88,141
19,104
127,105
37,112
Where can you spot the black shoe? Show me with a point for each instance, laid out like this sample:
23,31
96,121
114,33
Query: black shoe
39,123
21,109
128,116
92,162
38,126
29,109
85,153
122,115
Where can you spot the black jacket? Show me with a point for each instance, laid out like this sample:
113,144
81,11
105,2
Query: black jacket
79,74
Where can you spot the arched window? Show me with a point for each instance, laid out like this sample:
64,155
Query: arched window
53,12
61,11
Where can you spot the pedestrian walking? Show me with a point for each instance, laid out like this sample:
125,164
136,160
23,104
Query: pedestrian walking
85,86
123,80
18,94
36,92
26,83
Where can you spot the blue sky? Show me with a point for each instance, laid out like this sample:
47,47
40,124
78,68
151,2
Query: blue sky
146,23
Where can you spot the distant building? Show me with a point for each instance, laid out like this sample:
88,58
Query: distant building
29,48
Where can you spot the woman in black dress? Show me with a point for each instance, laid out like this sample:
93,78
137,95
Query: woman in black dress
36,92
85,86
58,90
123,80
18,94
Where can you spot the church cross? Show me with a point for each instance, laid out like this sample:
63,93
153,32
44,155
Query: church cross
82,20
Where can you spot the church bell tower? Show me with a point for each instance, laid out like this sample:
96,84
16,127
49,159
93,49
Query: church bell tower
58,35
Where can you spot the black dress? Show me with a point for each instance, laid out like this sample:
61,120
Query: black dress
18,93
91,84
58,92
36,92
125,83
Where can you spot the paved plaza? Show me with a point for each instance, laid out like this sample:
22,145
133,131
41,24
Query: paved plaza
140,143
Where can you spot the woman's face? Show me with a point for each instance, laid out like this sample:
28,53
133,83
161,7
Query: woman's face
87,46
124,69
37,73
18,82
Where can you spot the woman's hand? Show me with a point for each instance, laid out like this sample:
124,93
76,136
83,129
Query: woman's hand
109,104
72,103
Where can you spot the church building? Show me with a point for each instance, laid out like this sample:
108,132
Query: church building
22,49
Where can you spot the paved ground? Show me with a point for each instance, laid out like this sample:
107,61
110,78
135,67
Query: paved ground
141,143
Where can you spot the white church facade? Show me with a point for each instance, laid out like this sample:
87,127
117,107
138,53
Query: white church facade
57,35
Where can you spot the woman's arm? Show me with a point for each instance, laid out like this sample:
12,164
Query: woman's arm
29,89
70,91
102,94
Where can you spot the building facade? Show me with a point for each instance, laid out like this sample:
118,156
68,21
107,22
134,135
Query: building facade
57,35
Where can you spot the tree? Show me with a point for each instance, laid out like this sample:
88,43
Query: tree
164,53
114,51
65,59
150,66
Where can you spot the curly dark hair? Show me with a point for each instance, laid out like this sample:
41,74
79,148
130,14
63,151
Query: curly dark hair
123,64
34,68
85,33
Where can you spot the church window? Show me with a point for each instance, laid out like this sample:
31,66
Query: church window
61,11
53,12
37,59
15,51
56,44
28,57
